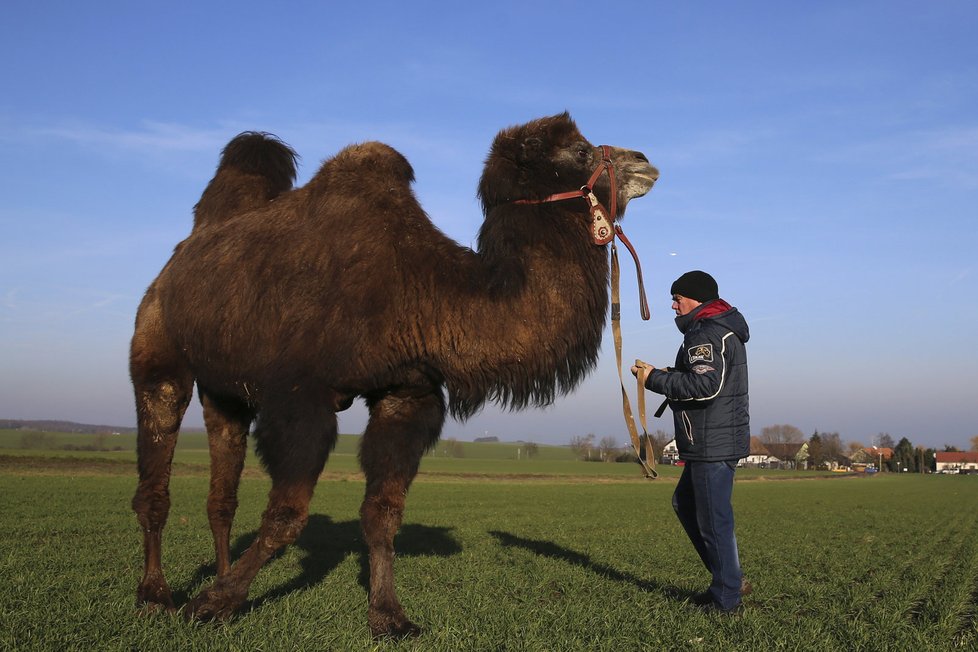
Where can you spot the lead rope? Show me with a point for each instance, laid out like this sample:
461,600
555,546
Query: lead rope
643,444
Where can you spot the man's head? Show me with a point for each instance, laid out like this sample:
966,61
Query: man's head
692,289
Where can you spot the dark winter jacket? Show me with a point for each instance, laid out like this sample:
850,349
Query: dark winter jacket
707,389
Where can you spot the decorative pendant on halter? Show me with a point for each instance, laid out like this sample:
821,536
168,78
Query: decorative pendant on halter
601,229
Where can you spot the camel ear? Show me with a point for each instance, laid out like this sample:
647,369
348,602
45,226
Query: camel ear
531,149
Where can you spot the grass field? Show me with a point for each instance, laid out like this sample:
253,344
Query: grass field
497,554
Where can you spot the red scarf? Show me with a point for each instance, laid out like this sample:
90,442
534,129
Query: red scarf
712,309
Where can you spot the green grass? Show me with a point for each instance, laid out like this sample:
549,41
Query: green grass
559,561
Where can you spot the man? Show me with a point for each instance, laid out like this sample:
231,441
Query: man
707,391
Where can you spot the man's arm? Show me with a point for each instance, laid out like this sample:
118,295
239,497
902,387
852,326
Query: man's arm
705,355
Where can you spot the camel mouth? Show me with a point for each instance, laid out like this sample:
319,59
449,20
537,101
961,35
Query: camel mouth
639,184
650,178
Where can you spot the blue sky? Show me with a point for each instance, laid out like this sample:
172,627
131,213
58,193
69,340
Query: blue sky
819,159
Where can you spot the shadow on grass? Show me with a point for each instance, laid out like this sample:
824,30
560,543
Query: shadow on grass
326,545
553,551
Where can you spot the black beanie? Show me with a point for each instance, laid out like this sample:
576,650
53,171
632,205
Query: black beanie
696,285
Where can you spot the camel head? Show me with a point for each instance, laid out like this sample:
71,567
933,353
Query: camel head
550,156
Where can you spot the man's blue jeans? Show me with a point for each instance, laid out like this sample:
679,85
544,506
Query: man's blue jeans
702,503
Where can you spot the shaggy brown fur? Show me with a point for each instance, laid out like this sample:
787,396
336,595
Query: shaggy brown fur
282,311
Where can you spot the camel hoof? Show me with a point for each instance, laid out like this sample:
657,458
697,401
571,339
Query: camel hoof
148,609
213,604
396,628
154,597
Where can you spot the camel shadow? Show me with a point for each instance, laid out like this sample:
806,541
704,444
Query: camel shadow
327,544
554,551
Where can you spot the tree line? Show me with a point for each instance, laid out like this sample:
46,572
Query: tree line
824,448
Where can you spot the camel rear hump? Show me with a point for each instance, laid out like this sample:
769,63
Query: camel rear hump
255,168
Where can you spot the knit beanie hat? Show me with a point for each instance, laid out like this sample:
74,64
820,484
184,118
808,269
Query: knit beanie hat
696,285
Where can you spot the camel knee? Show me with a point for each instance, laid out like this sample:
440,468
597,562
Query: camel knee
380,518
151,508
162,406
281,526
221,509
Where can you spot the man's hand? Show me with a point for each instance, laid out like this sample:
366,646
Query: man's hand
643,368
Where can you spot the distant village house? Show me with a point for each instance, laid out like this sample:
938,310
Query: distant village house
956,462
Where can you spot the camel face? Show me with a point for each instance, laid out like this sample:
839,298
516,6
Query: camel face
634,175
549,156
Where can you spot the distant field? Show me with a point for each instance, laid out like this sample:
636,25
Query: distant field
478,459
572,556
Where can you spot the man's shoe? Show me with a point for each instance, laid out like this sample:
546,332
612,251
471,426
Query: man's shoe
702,599
705,598
714,608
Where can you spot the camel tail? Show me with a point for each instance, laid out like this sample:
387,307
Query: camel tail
255,168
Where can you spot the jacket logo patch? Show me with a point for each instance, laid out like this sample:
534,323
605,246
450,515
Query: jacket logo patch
700,353
703,369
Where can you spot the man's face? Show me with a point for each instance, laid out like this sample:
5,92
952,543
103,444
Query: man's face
683,305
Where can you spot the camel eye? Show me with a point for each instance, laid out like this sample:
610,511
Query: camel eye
583,153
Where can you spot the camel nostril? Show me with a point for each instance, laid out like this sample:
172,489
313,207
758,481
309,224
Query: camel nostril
640,156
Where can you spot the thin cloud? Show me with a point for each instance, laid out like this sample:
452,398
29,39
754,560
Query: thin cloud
961,276
947,155
160,137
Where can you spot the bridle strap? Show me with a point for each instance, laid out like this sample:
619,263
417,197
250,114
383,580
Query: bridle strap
585,190
643,302
642,445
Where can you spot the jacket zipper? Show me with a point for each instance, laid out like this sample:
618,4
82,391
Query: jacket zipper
687,424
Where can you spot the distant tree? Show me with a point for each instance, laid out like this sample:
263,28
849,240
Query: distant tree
781,434
581,446
974,444
37,439
883,440
816,456
929,461
659,440
853,447
948,448
832,447
608,448
454,448
904,457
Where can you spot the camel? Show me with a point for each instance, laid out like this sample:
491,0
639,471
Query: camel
285,305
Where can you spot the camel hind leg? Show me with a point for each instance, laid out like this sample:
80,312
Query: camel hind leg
294,439
227,422
163,387
402,427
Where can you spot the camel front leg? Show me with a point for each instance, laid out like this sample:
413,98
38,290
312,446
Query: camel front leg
401,429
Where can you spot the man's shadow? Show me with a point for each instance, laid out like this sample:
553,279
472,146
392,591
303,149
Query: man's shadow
327,544
553,551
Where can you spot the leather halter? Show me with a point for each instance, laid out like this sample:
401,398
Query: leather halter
603,233
601,226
